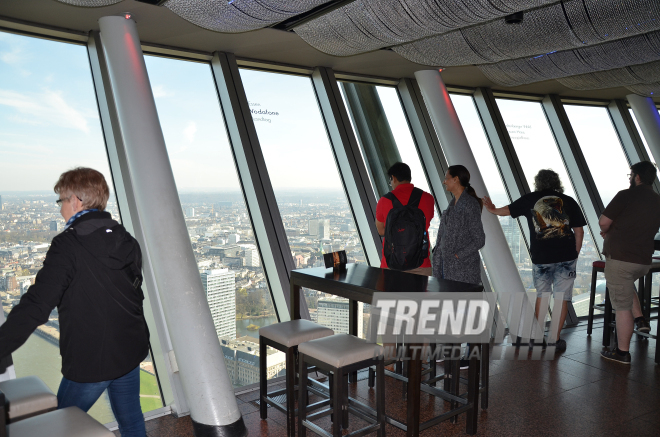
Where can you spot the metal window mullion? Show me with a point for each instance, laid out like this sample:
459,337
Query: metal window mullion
257,189
169,381
576,164
352,169
631,140
426,141
506,158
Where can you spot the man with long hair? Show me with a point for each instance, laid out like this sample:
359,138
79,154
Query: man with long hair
556,232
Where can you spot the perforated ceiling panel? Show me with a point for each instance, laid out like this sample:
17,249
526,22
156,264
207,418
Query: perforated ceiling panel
611,55
90,3
366,25
543,31
239,15
646,90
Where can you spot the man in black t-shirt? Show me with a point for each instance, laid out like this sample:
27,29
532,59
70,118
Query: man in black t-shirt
556,232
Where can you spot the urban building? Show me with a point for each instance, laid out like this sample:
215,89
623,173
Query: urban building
242,360
190,212
333,313
220,288
54,226
252,258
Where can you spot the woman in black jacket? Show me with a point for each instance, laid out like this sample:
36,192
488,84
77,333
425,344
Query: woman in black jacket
461,233
92,274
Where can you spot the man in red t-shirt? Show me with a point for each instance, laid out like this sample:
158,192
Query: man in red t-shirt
400,177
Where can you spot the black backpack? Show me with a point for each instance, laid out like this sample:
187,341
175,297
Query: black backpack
406,242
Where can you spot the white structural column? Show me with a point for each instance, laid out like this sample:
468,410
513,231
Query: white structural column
648,118
499,262
206,384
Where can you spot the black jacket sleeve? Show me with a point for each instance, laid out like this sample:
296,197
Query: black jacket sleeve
36,305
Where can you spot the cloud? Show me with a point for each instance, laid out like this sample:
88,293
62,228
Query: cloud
190,131
46,107
160,91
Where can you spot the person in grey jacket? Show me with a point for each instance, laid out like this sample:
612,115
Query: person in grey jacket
461,233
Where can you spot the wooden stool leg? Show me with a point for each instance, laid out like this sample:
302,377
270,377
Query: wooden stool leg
344,415
454,385
372,377
263,383
290,390
592,301
337,384
302,397
380,397
473,392
485,374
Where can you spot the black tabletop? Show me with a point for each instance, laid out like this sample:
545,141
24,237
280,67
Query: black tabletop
359,282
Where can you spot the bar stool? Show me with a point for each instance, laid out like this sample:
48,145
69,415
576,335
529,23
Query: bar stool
285,337
27,397
340,355
598,266
67,422
645,299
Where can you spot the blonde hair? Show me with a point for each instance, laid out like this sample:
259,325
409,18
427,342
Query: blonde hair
87,184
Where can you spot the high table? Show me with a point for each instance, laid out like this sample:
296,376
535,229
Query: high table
358,283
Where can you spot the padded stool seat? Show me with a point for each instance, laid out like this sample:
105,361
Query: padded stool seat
285,337
68,422
293,333
340,350
27,397
341,355
599,264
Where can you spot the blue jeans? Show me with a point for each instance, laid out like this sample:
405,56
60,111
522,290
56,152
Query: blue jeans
124,393
556,278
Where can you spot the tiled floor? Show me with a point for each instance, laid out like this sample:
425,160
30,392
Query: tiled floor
578,393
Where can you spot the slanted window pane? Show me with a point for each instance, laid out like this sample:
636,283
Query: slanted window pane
601,148
302,169
384,137
218,222
49,123
471,123
641,134
536,148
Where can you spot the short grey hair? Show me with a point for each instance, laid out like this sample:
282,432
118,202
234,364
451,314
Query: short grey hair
547,180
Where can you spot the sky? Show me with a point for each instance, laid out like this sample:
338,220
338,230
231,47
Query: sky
49,120
49,123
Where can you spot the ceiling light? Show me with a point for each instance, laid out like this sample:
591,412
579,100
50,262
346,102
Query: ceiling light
516,18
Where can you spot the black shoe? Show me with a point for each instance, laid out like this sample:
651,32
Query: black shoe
560,346
614,356
642,325
464,364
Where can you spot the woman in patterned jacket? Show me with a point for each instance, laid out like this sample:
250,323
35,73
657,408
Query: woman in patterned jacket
461,233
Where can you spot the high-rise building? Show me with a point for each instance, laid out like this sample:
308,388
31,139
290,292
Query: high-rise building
220,288
233,238
54,226
320,227
513,237
252,258
190,212
324,229
333,313
313,227
1,205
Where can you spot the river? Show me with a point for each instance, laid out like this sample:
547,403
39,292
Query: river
42,358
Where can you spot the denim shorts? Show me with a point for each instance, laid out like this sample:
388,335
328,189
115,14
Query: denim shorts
555,278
